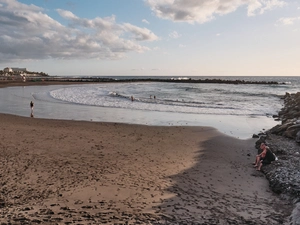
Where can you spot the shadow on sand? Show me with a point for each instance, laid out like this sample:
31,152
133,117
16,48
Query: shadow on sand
223,188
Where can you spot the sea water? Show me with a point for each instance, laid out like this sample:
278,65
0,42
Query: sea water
237,110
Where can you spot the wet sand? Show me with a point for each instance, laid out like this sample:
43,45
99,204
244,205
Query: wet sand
15,83
64,172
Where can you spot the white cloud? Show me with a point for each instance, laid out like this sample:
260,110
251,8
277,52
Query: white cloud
218,34
181,46
202,11
26,32
287,20
67,14
174,35
145,21
140,34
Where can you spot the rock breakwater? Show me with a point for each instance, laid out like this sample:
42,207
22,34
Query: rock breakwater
138,79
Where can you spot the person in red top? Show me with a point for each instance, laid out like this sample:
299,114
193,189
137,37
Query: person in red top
260,157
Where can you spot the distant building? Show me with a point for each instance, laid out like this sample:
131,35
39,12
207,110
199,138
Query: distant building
7,70
14,70
19,70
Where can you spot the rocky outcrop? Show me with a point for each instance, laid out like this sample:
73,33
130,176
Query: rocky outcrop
284,173
290,117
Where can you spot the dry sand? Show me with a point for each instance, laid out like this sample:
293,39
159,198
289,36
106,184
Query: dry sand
72,172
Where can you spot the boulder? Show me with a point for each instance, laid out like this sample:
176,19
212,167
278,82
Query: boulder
291,131
298,137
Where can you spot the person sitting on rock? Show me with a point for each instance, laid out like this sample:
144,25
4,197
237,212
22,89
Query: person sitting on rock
260,157
268,158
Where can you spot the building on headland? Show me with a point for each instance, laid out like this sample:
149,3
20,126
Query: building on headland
15,70
15,73
19,70
7,70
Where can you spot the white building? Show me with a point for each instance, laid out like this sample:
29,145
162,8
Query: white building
14,69
7,70
18,70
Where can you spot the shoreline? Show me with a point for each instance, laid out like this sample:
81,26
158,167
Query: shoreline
94,172
10,83
248,125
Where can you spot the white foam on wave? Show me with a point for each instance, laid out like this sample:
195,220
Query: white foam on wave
107,96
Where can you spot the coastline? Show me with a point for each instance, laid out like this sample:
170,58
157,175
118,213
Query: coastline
176,203
18,83
92,172
242,127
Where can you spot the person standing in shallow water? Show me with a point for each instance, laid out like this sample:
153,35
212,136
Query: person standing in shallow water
31,107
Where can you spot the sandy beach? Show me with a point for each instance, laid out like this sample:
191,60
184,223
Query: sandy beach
64,172
79,172
149,112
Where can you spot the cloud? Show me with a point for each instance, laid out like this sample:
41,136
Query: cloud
139,34
28,33
145,21
201,11
174,35
181,46
287,20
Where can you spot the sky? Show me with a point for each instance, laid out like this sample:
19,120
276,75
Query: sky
151,37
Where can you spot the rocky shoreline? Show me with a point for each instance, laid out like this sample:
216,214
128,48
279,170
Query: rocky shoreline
284,174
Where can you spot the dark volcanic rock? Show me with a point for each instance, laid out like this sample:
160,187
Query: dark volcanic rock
2,203
284,173
172,80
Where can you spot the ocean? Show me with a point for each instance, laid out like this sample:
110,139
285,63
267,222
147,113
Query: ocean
236,110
